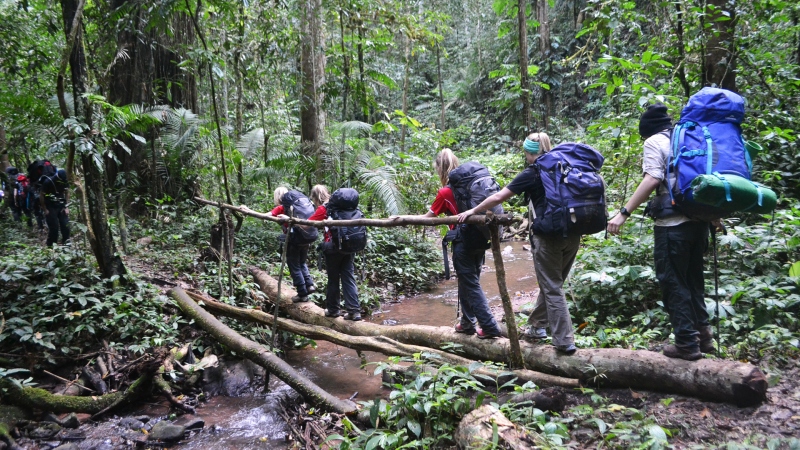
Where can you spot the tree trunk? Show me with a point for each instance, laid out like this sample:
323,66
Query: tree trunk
544,47
312,65
681,50
103,246
261,356
406,75
524,85
717,380
345,65
443,123
719,59
511,323
4,163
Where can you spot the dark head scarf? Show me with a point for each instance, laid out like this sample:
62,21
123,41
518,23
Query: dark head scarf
654,120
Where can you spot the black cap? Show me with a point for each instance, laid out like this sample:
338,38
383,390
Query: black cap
654,120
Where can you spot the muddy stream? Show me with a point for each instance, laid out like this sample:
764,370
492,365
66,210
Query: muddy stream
252,421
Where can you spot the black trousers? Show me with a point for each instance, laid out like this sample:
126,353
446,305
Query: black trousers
56,219
341,269
296,257
679,268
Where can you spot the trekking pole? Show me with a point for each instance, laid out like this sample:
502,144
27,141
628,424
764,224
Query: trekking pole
280,280
446,260
716,281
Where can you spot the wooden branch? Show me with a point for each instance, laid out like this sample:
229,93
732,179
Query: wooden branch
259,355
400,221
380,344
516,361
720,380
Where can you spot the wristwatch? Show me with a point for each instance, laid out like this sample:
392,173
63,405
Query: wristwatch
624,212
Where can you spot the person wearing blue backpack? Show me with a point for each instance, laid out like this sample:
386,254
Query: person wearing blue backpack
559,218
680,243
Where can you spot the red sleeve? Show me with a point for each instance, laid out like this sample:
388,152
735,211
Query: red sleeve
445,202
320,214
278,210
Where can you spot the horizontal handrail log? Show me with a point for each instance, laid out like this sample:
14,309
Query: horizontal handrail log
399,221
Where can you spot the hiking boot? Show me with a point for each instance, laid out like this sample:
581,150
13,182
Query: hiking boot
299,298
689,354
487,335
355,316
334,314
706,339
567,349
535,333
311,289
465,330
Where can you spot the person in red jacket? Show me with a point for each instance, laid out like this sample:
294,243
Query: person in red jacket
296,255
340,266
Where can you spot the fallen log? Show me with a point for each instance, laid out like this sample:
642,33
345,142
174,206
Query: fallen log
261,356
734,382
37,398
380,344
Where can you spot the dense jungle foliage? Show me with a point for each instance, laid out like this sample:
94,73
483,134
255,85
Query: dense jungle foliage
147,104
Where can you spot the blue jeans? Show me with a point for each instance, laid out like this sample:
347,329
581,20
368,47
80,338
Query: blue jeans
474,305
341,268
678,257
296,257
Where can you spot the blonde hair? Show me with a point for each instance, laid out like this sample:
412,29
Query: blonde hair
319,194
278,195
544,141
445,161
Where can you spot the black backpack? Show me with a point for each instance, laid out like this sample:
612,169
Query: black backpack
296,204
343,205
41,168
471,183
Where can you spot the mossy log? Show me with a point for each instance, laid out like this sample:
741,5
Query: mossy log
37,398
261,356
380,344
734,382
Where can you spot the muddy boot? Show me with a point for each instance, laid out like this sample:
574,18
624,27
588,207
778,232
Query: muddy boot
687,353
706,339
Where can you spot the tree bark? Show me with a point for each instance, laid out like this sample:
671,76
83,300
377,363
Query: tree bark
544,47
406,76
719,380
380,344
261,356
681,50
719,61
103,246
4,163
443,123
524,85
312,65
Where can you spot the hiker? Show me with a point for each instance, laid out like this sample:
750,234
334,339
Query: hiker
469,249
339,264
9,189
679,244
53,198
22,188
553,254
295,204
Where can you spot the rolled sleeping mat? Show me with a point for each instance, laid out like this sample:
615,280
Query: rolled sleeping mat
733,193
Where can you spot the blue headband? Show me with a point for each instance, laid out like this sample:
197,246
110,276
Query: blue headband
530,146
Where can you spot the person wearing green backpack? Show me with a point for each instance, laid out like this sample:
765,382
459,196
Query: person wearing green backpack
680,243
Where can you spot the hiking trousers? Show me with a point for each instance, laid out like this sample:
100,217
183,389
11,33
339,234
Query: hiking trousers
552,259
474,305
296,257
56,219
678,255
341,269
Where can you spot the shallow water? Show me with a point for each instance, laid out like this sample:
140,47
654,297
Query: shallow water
252,422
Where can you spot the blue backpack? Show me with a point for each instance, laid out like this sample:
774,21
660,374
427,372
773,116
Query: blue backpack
709,159
575,193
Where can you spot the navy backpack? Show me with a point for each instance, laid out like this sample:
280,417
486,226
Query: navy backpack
343,205
575,194
296,204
